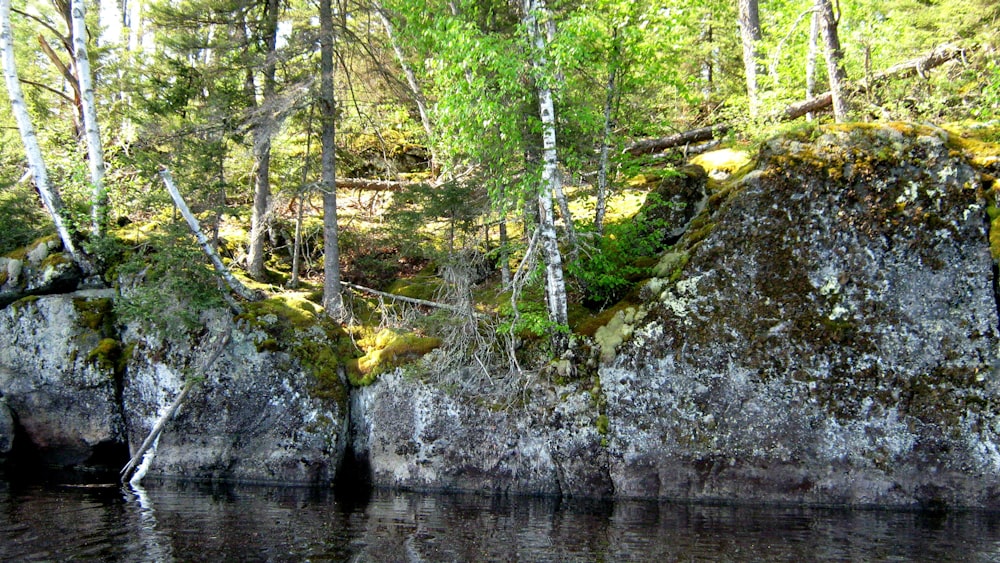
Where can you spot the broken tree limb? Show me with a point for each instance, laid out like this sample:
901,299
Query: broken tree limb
129,469
699,135
404,299
192,222
916,66
371,185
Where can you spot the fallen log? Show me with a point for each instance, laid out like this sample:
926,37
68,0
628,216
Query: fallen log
916,66
699,135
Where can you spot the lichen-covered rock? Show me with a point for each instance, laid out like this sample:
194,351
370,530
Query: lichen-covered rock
417,436
62,395
831,337
6,429
254,415
39,269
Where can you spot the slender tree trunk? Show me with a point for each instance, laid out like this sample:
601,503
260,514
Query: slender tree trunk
333,299
555,285
834,58
811,58
750,34
303,193
262,147
411,81
92,132
33,151
609,101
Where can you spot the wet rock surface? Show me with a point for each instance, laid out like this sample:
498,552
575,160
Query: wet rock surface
59,388
832,337
417,436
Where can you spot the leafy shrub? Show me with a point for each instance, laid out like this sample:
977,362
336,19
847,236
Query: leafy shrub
606,271
168,284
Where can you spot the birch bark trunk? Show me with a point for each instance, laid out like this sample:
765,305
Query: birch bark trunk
33,151
555,285
811,58
92,132
750,34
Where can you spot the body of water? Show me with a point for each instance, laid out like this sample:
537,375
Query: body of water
198,522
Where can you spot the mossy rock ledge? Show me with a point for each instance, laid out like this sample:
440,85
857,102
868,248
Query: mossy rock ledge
832,340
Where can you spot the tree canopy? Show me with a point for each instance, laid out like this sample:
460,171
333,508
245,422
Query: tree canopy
449,129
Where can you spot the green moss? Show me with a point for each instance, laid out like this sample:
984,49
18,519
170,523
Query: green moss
295,325
3,277
387,350
603,424
106,354
95,314
56,259
24,302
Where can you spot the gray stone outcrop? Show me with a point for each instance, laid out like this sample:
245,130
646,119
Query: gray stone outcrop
252,415
418,436
60,390
833,339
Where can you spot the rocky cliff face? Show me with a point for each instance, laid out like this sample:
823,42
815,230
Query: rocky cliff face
252,415
831,338
81,395
826,331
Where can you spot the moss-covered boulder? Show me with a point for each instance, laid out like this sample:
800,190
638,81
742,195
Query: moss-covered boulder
832,339
38,269
63,396
271,408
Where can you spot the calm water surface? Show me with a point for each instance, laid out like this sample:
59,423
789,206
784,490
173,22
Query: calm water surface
190,522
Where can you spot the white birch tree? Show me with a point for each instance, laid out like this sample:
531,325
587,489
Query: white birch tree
92,132
33,151
555,285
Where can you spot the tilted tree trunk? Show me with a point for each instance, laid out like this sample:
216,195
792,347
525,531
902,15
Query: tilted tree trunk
206,245
333,299
411,81
834,58
811,58
750,35
33,151
609,101
92,132
263,131
555,285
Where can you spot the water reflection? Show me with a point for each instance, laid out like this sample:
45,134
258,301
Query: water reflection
190,522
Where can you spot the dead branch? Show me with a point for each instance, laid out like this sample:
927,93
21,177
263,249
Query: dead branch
192,222
404,299
130,467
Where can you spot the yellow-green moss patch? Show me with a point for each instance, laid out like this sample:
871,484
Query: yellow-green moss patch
386,350
106,354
